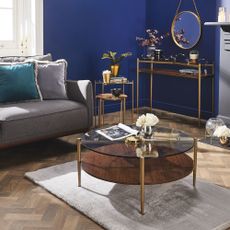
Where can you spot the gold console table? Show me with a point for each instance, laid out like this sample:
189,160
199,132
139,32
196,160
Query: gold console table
153,67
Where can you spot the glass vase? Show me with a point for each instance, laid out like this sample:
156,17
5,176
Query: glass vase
151,51
147,131
212,124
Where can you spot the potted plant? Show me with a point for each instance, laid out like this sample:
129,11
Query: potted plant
115,60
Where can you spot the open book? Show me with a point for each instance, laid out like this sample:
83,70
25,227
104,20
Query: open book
117,132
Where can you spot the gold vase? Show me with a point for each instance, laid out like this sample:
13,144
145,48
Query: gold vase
115,70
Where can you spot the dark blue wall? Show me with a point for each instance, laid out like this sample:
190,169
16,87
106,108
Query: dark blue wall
174,94
81,30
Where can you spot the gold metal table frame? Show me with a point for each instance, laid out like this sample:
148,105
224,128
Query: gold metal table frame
109,97
142,171
102,90
204,71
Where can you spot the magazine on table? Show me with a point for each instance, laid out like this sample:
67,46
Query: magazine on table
117,132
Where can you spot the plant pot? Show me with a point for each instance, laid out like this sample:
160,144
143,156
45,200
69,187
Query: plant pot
115,70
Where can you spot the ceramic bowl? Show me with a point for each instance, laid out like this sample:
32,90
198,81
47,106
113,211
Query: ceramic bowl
116,92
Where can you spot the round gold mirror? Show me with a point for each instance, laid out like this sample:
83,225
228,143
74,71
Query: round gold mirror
186,29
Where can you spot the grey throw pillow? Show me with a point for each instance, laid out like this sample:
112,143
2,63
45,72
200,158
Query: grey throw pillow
51,79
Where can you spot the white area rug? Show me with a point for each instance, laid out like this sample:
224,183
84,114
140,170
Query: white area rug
171,206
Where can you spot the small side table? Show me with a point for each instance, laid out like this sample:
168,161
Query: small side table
100,87
109,97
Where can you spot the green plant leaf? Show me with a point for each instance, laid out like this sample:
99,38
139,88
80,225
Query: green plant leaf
112,56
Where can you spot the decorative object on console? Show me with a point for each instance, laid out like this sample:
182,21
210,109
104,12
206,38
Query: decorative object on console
212,124
147,123
116,92
158,54
152,42
194,56
115,61
106,74
183,35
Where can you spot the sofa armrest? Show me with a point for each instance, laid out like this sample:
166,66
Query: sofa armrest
81,91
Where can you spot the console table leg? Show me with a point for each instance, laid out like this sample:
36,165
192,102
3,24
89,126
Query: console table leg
99,112
132,100
142,184
213,95
195,149
199,94
124,110
79,161
137,109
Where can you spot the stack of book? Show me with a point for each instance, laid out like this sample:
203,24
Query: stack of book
118,80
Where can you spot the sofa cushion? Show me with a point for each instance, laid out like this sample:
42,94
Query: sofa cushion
51,79
46,57
28,121
18,83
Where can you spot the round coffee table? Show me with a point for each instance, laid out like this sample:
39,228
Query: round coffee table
156,161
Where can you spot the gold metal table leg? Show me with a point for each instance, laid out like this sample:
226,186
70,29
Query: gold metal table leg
137,109
195,149
132,101
213,95
142,184
99,112
103,112
199,94
213,89
79,161
151,88
124,110
95,104
121,110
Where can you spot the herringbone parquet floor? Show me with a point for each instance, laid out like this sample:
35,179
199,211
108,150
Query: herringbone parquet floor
25,206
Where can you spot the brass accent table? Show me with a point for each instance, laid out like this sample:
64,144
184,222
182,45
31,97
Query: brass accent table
167,68
103,85
109,97
150,162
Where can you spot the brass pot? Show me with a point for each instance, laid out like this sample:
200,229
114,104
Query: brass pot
115,70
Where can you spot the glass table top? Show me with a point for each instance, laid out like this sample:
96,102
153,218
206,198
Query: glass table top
164,142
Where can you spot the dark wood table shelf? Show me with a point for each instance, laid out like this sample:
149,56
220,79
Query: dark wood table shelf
173,73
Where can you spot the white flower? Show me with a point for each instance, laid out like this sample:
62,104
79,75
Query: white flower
222,131
151,119
147,120
141,121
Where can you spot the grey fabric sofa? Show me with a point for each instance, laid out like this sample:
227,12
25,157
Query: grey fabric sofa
31,121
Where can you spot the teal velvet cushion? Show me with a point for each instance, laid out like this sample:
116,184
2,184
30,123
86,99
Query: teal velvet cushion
18,83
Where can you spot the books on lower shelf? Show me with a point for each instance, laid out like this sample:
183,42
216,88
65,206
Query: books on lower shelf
117,132
118,80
